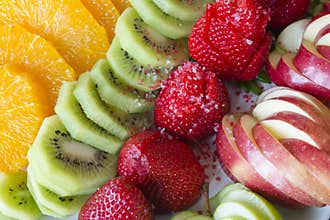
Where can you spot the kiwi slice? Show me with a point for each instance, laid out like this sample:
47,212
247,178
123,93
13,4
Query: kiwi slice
79,126
3,217
184,215
52,203
165,24
185,10
115,93
112,120
16,201
66,166
127,69
146,45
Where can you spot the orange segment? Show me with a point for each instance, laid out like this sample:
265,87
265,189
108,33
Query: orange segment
35,55
121,5
67,24
23,106
105,13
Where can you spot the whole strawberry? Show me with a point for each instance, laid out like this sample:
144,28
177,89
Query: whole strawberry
166,171
118,199
230,39
191,103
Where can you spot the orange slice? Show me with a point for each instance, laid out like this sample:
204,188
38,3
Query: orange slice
35,55
67,24
121,5
105,13
23,106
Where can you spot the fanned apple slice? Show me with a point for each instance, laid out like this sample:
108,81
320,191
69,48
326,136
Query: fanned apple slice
271,107
289,166
323,45
312,64
285,125
287,74
253,154
239,169
316,161
288,92
315,28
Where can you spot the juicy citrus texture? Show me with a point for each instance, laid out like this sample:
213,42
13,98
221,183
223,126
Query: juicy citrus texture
105,13
121,5
23,106
35,55
68,25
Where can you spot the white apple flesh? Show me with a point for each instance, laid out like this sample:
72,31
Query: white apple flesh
289,166
315,28
290,38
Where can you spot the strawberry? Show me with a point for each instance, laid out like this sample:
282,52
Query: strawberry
191,103
228,36
117,199
285,12
166,170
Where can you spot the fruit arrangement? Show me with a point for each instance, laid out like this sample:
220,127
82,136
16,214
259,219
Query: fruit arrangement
107,105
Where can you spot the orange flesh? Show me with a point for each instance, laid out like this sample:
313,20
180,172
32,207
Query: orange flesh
121,5
35,55
68,25
105,13
23,106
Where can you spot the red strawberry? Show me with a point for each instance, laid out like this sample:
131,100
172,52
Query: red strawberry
191,103
166,171
285,12
227,37
118,199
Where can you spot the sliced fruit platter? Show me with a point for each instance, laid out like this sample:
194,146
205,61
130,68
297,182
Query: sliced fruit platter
165,109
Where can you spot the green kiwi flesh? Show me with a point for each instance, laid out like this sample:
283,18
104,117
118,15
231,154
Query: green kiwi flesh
16,201
3,217
95,109
165,24
66,166
146,45
79,126
127,69
185,10
117,94
53,204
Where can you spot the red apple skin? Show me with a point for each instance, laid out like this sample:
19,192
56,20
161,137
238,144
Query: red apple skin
317,117
289,166
285,74
264,168
316,161
320,135
324,50
239,170
326,6
312,65
287,11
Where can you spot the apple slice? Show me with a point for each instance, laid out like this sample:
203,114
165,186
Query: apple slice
290,38
312,64
316,161
316,27
286,74
252,153
239,169
272,107
289,166
286,125
323,45
287,92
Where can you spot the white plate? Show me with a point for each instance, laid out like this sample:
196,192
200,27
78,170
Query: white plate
241,102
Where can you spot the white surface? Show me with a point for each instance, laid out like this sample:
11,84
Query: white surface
241,103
